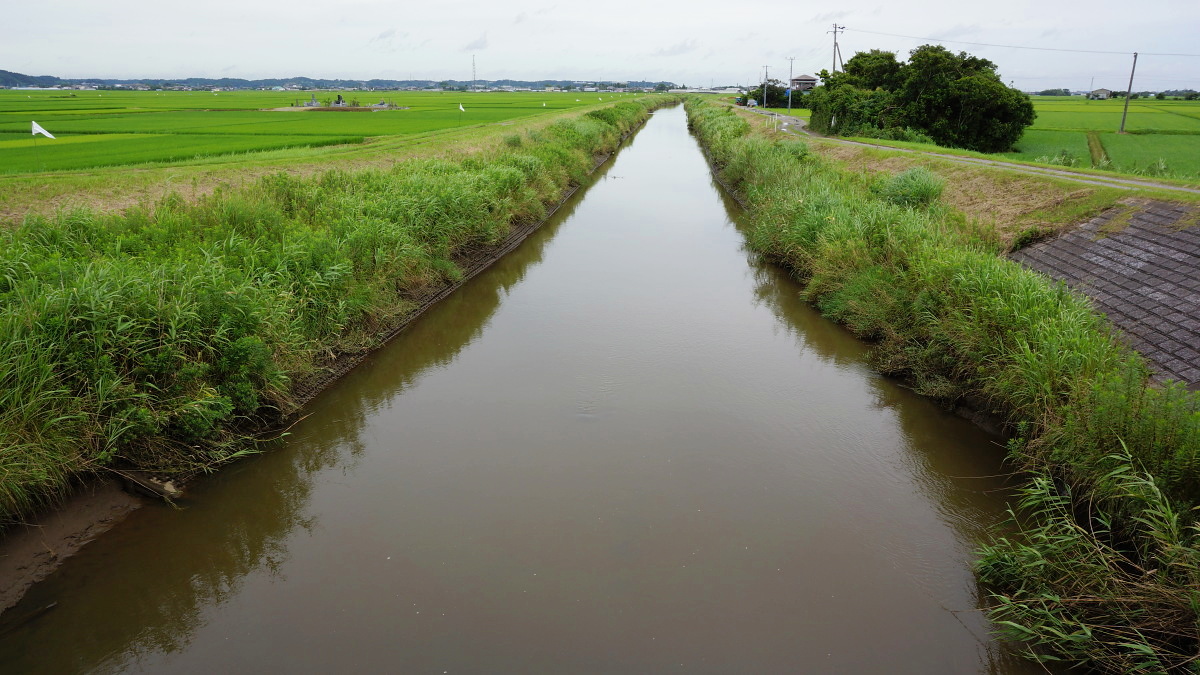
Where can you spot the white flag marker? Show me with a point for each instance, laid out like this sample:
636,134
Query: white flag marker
461,109
37,129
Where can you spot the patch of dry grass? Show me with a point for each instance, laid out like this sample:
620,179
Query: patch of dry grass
1012,205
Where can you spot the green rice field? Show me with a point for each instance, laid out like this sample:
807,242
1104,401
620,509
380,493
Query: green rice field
113,128
1163,137
1038,143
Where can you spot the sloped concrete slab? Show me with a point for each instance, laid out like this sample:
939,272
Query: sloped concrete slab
1143,273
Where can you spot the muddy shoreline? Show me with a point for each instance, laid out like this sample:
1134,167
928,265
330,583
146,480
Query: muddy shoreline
29,552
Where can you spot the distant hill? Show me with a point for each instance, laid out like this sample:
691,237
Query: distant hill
9,79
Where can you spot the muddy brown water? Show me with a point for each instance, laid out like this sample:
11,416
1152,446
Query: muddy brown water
628,447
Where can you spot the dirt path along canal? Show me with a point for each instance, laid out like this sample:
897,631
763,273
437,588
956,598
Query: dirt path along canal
627,447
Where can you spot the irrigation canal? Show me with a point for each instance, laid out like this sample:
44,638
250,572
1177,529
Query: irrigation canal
628,447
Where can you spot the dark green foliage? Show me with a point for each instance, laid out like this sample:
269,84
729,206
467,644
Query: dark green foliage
956,99
776,95
875,69
980,113
906,134
850,110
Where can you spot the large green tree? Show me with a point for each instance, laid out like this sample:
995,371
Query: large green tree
873,70
956,99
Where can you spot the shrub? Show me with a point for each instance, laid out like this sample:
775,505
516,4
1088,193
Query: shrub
917,186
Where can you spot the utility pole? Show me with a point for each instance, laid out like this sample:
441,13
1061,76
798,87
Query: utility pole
791,62
766,77
1128,93
473,85
837,52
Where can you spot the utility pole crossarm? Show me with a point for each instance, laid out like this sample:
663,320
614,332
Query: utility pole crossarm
837,52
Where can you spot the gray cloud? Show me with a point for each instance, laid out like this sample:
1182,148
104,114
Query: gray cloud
478,43
692,41
678,48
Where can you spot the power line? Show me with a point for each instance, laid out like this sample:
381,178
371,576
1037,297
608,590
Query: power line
1040,49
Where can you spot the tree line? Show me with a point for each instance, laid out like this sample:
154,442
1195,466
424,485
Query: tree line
955,100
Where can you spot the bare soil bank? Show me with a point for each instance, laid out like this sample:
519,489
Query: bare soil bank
30,552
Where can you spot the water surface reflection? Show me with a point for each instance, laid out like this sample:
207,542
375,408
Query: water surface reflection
628,447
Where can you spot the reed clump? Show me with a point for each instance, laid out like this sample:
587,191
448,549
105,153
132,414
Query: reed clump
155,338
950,314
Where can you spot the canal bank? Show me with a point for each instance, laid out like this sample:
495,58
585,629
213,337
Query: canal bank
592,458
37,543
947,312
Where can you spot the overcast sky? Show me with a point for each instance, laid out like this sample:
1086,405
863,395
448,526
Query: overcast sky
696,42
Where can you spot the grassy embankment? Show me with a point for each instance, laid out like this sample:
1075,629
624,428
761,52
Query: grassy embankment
1105,562
115,149
148,339
1163,139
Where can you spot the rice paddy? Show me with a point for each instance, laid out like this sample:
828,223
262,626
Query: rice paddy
153,127
1163,137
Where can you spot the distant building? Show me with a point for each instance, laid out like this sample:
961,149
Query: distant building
803,82
1100,94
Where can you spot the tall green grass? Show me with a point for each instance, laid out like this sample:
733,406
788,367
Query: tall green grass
151,339
1082,589
958,320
